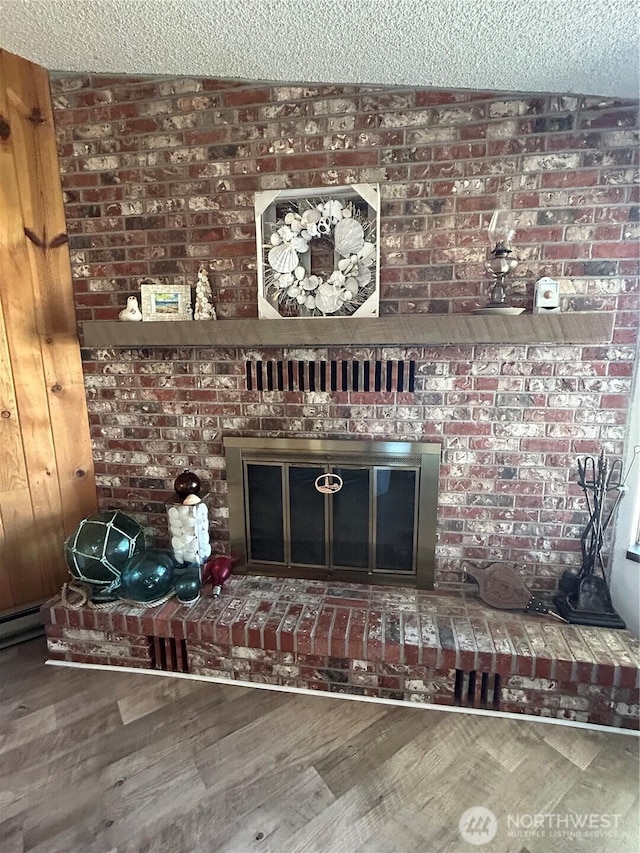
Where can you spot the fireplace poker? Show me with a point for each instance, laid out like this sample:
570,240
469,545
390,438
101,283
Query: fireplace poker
597,479
584,479
615,482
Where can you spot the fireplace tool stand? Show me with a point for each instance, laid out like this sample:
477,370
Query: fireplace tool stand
583,596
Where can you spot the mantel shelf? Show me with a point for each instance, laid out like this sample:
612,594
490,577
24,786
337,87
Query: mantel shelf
407,330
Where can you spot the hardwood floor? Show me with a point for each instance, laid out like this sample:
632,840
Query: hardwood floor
102,762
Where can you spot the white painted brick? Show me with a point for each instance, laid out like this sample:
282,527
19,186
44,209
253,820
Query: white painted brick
412,118
276,181
414,684
317,398
213,673
335,106
627,710
101,164
93,131
179,87
502,130
563,104
572,431
84,634
286,671
188,155
457,115
514,696
520,430
548,162
552,353
574,702
508,108
620,139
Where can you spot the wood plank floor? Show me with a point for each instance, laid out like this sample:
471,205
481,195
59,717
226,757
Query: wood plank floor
102,762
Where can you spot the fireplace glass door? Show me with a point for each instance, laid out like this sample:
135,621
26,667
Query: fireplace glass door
327,509
369,524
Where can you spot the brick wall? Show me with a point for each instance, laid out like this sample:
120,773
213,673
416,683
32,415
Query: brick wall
159,176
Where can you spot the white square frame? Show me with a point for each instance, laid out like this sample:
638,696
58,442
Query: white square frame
265,203
151,289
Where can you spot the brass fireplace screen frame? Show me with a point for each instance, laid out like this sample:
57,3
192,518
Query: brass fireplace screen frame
422,457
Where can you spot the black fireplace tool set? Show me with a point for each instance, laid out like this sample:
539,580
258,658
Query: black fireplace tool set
583,597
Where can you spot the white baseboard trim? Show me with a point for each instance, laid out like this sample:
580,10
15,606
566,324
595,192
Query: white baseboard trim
303,691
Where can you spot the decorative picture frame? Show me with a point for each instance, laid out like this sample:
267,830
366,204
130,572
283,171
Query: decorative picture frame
165,302
318,252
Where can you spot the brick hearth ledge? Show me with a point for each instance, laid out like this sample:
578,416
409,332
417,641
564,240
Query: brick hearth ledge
394,643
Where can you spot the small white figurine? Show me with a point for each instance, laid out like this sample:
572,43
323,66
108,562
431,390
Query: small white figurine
132,311
204,309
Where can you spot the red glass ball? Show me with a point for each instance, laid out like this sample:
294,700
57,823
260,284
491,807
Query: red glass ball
187,483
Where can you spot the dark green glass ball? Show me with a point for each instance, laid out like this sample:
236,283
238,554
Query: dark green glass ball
147,576
188,587
99,548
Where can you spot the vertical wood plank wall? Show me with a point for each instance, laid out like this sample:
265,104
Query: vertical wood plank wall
46,469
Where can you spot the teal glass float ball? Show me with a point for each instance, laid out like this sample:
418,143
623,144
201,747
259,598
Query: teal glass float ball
100,547
147,577
188,585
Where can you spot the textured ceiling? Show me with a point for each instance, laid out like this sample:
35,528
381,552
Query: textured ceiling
576,46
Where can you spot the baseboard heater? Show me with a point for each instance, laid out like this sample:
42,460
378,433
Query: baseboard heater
17,626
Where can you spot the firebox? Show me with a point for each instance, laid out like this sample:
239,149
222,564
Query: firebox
362,511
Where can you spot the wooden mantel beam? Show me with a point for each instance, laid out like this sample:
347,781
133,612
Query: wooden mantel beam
408,330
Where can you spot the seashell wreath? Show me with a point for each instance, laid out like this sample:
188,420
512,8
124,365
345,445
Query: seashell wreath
348,287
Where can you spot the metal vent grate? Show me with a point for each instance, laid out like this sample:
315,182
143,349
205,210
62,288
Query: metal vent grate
354,375
169,654
477,689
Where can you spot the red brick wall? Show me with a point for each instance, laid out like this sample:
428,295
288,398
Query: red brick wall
159,176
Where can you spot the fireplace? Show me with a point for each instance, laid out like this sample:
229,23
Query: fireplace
361,511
